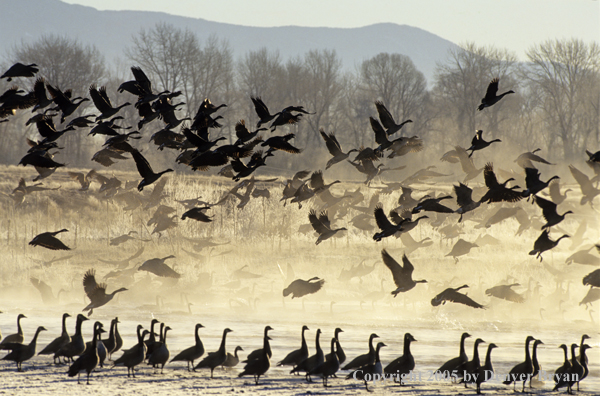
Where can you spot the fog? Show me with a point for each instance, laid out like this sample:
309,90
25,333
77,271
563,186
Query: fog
277,244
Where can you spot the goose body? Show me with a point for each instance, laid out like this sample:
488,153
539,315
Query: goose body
192,353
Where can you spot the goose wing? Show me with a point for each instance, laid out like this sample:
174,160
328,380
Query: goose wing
331,142
492,89
142,164
392,264
261,109
381,219
316,222
384,115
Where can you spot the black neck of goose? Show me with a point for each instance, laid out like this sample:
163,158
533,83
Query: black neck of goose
161,333
78,327
582,357
488,359
462,346
333,342
152,337
197,336
223,340
574,361
304,345
164,337
111,334
139,334
476,353
371,348
64,326
407,342
566,354
37,333
534,356
19,329
318,345
527,355
377,355
236,353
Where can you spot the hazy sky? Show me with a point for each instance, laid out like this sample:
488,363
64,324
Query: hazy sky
511,24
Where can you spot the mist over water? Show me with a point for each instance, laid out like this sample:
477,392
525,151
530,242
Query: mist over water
265,236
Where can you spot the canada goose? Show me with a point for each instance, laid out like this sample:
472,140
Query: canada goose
192,353
286,117
464,200
334,148
257,353
484,372
549,212
47,130
498,192
20,352
534,361
372,368
258,361
96,292
572,374
451,366
111,343
215,359
151,341
452,295
490,97
313,361
339,351
262,111
386,227
281,143
58,342
404,364
295,357
256,160
583,362
77,345
89,360
160,354
477,143
233,360
560,372
367,167
144,169
505,292
544,243
432,205
402,274
64,102
322,226
583,256
103,104
330,366
49,241
555,194
158,267
525,160
521,370
387,120
460,248
20,70
533,182
243,134
300,288
592,295
292,185
471,366
40,159
16,338
588,191
364,359
134,356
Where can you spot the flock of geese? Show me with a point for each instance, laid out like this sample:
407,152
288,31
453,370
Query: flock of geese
89,356
240,160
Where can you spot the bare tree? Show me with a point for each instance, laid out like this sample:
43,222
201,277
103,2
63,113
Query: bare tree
565,74
394,79
66,64
462,81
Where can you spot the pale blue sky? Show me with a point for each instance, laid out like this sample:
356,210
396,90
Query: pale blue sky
511,24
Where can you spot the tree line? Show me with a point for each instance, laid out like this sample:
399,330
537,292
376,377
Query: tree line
557,106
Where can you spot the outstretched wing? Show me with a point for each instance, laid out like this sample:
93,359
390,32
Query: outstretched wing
456,297
89,282
393,266
381,219
384,115
261,109
141,163
316,223
489,176
492,89
331,142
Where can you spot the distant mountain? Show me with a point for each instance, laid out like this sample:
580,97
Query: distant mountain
111,33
